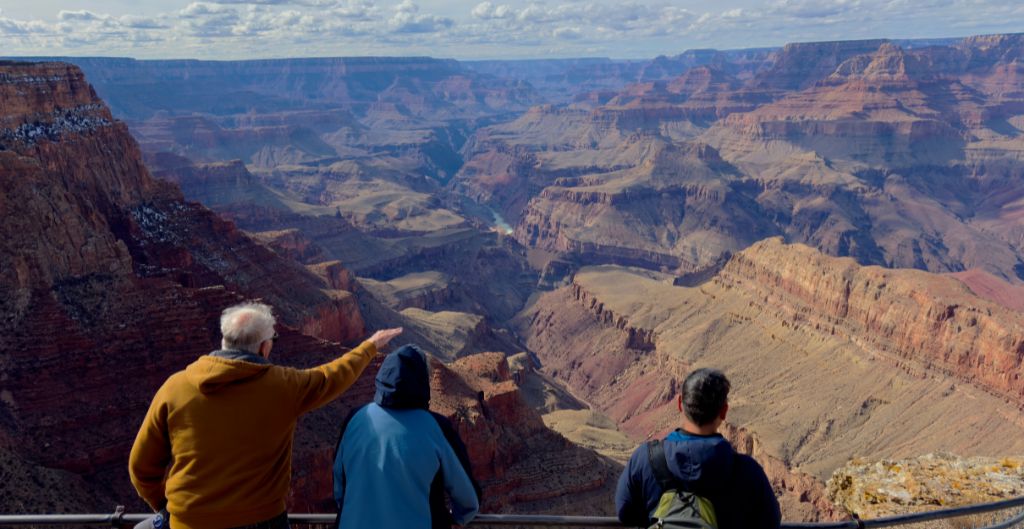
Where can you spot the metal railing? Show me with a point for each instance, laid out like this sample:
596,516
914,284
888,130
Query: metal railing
1005,514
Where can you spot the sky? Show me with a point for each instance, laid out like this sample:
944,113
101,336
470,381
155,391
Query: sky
473,29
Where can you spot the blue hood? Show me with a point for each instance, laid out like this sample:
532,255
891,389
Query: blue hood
703,463
403,380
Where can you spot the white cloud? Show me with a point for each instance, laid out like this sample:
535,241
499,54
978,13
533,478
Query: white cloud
495,28
815,8
199,9
11,27
483,10
83,16
567,33
276,2
355,9
533,13
137,22
408,20
407,6
487,10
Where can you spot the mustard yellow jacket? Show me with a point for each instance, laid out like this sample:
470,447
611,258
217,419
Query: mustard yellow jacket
216,443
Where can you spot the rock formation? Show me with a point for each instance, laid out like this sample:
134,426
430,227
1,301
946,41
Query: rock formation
821,371
896,155
523,466
925,320
926,483
403,171
110,282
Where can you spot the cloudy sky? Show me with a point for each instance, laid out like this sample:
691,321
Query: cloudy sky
472,29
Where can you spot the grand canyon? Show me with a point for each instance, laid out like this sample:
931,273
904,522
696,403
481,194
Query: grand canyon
836,225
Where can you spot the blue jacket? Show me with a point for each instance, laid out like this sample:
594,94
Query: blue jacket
709,467
396,459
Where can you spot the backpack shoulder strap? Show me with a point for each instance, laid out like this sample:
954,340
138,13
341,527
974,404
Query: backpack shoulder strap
659,464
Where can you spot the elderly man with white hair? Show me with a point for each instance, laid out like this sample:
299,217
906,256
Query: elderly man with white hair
215,448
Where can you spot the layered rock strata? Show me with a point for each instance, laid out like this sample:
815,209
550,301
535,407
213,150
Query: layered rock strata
110,282
893,153
523,466
927,321
108,276
825,357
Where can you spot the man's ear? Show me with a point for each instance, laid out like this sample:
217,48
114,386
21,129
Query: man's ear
725,410
265,349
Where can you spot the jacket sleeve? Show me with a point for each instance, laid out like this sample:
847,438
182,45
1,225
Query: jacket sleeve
339,469
630,502
460,487
459,448
764,506
151,454
322,384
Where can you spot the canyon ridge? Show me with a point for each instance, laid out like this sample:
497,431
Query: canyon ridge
836,225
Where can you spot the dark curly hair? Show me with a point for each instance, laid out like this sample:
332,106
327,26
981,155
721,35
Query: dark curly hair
705,392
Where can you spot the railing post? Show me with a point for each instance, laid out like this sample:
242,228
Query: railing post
117,518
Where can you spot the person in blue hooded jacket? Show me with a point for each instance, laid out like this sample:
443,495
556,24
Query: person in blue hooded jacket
396,460
703,463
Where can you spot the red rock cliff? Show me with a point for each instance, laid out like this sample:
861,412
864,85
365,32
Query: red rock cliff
109,281
914,318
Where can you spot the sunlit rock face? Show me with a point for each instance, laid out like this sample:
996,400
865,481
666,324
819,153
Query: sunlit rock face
824,355
896,155
889,487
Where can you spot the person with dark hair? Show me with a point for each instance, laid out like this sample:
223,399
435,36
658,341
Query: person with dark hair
396,460
694,477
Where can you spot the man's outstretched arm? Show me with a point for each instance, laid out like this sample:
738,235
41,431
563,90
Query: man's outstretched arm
322,384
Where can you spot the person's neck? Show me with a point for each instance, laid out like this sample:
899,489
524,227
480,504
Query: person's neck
708,429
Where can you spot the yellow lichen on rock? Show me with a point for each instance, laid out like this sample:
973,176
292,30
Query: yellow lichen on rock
891,487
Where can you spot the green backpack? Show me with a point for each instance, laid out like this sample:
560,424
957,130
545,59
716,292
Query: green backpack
678,508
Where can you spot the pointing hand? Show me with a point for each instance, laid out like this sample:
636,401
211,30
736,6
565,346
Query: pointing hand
382,337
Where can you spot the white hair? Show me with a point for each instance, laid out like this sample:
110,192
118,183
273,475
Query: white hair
245,326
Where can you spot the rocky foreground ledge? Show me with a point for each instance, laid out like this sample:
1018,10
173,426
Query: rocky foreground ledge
934,481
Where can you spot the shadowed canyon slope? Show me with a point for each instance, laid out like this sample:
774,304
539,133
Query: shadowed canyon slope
111,282
374,138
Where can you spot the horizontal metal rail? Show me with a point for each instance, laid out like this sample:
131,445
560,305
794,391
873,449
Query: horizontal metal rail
119,517
1008,523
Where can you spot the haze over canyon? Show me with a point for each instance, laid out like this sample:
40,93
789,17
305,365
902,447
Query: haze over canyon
839,226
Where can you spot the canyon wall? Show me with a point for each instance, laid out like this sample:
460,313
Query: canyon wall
930,322
893,153
825,356
110,282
